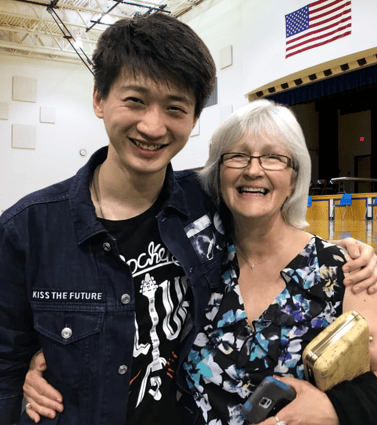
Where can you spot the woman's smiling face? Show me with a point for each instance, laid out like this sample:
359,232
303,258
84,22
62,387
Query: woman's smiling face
253,192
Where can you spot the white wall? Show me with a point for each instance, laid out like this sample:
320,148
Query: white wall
68,89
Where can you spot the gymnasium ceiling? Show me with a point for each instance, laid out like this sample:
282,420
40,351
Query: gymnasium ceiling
67,30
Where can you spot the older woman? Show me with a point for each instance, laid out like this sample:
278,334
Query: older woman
280,285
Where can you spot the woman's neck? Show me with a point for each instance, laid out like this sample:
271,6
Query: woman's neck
262,238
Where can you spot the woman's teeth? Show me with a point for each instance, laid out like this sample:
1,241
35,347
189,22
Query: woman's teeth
260,190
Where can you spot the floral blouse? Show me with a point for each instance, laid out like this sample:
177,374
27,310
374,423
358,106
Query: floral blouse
229,358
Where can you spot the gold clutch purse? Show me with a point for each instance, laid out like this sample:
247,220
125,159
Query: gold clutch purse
339,353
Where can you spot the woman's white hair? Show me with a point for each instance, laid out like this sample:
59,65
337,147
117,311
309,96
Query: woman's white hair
277,124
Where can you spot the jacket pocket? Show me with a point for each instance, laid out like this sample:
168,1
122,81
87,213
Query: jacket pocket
70,339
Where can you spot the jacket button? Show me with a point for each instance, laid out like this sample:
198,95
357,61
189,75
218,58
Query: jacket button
106,246
122,369
66,333
125,299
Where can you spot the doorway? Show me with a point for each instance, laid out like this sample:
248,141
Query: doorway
363,169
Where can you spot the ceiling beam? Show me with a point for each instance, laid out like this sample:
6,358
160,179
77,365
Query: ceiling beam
75,60
41,33
71,7
36,3
37,49
35,19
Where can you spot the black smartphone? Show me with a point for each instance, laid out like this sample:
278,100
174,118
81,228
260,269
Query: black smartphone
270,396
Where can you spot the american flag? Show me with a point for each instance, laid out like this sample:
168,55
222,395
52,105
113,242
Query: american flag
316,24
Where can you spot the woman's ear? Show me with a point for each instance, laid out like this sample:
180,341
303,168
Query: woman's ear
292,189
292,186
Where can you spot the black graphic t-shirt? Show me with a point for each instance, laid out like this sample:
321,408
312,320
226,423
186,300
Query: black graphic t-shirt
161,308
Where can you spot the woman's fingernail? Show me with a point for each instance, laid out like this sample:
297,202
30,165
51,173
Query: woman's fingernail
42,365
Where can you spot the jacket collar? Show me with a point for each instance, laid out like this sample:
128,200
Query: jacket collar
82,209
173,194
81,205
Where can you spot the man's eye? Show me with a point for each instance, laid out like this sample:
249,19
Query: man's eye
177,109
133,100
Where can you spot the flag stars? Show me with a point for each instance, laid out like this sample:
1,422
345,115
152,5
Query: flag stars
297,21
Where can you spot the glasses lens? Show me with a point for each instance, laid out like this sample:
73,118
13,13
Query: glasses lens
275,163
234,160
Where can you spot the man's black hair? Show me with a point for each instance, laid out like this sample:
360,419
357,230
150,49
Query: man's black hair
159,47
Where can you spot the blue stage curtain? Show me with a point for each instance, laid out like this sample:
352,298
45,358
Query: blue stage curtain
327,87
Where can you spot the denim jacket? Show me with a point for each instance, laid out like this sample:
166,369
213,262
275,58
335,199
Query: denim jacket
65,289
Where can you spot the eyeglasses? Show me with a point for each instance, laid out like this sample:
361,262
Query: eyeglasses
271,162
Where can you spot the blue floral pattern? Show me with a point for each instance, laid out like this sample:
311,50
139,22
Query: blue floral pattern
229,358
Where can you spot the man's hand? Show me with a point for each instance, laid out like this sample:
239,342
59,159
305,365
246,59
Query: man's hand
42,399
361,268
310,407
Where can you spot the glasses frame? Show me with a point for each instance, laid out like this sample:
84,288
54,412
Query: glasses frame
289,163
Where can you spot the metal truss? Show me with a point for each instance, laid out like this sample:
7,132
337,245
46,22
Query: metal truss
68,30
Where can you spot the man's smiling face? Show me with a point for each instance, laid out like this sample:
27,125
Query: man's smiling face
147,123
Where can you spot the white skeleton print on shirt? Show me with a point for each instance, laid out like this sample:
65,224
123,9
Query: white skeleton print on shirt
161,293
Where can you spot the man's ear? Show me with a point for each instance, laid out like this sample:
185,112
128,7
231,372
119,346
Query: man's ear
97,103
195,121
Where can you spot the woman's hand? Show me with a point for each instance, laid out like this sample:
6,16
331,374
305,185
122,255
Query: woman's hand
361,268
310,407
42,399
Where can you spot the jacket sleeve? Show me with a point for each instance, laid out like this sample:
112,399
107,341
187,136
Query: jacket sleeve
355,401
18,339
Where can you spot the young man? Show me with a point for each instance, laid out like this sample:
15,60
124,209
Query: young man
88,273
110,271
